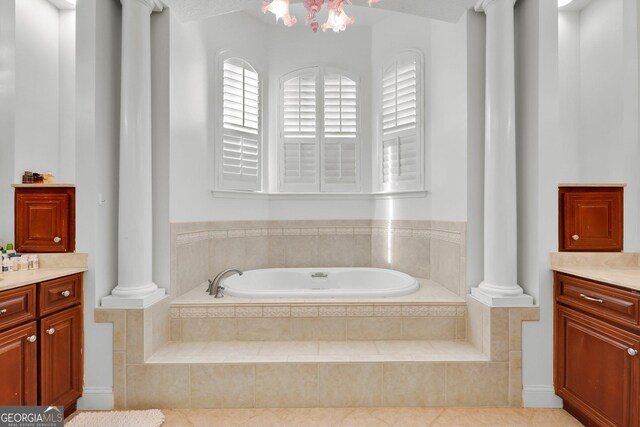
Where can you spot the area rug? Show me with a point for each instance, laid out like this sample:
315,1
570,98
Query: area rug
148,418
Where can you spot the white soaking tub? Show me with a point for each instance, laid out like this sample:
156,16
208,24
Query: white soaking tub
320,283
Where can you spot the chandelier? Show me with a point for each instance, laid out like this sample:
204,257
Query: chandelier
337,21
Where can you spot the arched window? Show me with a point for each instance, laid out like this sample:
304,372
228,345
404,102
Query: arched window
402,139
240,157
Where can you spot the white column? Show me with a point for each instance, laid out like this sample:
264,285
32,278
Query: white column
500,285
135,232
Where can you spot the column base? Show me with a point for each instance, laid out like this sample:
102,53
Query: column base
114,301
492,300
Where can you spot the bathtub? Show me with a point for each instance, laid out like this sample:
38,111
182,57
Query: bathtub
320,283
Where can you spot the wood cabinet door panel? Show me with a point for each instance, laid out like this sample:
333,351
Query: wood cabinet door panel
594,370
593,221
19,366
57,294
61,357
45,220
17,306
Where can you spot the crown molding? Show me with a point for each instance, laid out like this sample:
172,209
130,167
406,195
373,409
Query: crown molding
153,5
482,5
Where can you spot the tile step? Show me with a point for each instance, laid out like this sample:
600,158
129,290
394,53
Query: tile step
239,352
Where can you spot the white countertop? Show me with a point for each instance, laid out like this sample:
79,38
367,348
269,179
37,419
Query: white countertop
16,279
618,269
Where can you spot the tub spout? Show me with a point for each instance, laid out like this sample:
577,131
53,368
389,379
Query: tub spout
214,285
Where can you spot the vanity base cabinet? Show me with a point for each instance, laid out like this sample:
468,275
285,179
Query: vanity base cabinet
19,366
595,375
61,359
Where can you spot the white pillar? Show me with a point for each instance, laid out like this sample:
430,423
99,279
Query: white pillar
135,218
500,285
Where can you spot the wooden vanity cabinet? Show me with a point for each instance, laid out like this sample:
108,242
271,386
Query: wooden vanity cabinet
596,351
41,357
45,219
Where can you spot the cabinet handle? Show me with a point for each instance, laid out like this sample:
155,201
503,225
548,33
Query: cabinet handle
57,239
32,338
588,298
65,293
3,311
51,331
632,352
575,237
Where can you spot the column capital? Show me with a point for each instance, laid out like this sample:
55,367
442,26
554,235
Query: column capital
153,5
482,5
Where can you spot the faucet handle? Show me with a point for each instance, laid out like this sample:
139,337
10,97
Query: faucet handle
210,286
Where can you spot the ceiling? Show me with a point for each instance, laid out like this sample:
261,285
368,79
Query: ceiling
444,10
365,16
575,5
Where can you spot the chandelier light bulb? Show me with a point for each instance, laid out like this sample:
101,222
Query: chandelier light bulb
280,8
338,20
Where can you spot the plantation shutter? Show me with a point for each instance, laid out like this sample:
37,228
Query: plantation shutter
300,135
401,140
241,135
340,144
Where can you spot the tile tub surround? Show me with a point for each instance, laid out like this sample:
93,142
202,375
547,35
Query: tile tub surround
392,375
423,249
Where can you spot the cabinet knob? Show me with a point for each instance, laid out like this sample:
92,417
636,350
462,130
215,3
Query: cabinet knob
65,293
57,239
632,352
575,237
3,311
32,338
51,331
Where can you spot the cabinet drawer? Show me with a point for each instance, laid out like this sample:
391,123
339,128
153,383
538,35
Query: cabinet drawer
598,299
17,306
58,294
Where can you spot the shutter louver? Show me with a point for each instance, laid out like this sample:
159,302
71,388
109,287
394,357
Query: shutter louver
241,126
300,133
401,139
340,133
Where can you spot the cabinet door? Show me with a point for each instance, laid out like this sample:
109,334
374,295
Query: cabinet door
61,367
593,221
594,372
44,220
19,366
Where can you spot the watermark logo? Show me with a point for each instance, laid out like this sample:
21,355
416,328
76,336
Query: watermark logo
31,416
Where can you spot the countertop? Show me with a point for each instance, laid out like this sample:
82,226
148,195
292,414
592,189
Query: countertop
618,269
16,279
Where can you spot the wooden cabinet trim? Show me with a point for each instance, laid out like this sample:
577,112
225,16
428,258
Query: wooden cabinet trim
52,294
20,306
19,358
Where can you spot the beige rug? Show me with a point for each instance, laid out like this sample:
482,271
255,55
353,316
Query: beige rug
149,418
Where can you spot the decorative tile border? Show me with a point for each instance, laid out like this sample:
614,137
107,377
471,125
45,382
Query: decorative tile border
235,233
283,310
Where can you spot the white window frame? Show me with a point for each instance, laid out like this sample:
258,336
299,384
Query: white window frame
243,184
419,132
319,186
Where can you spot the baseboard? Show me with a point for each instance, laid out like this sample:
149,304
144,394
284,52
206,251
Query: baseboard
540,396
96,399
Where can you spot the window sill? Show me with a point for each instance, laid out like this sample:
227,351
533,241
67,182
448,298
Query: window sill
232,194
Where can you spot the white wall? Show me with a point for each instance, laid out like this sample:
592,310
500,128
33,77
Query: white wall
37,88
67,101
97,129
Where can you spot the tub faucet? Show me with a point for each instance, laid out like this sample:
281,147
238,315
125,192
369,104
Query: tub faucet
214,285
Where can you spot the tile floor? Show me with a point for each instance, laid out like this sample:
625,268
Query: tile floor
409,417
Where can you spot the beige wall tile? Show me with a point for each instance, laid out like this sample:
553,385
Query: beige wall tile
474,323
515,379
119,320
445,264
208,329
477,384
257,253
374,328
516,317
319,328
276,254
158,386
135,336
262,329
429,328
500,334
413,384
192,265
286,385
302,251
336,251
461,328
381,251
411,256
119,381
222,386
176,329
361,251
226,253
350,385
161,326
